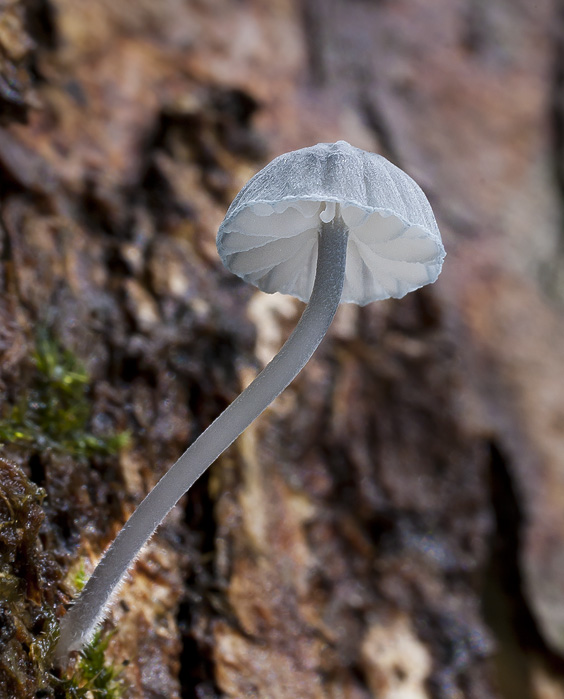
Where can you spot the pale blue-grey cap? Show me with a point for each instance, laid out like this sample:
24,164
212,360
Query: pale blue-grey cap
270,232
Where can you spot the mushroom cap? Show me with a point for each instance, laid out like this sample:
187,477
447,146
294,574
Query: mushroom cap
270,232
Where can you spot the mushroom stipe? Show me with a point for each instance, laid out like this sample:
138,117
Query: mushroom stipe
328,224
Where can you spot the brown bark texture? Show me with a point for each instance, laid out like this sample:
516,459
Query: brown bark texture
393,526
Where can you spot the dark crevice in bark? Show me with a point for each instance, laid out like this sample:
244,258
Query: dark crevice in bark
223,116
505,606
352,70
41,23
312,29
476,28
197,610
36,469
5,247
9,183
376,122
551,274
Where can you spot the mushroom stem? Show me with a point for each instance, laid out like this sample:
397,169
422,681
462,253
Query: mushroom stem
78,625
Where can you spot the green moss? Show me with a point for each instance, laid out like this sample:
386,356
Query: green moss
28,580
55,412
93,678
79,577
43,645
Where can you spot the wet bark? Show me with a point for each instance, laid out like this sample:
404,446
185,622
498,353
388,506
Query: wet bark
393,526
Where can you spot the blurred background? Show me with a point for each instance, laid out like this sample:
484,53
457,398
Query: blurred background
393,526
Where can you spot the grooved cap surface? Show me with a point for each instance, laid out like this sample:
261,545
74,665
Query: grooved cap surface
269,234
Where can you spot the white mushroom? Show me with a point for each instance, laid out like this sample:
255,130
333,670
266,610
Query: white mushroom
270,234
327,224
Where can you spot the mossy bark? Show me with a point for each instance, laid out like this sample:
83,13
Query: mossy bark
393,526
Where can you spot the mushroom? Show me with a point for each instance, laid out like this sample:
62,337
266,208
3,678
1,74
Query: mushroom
327,224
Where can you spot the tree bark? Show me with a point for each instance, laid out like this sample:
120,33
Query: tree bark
393,526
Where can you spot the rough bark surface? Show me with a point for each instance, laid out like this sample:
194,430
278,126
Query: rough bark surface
393,526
